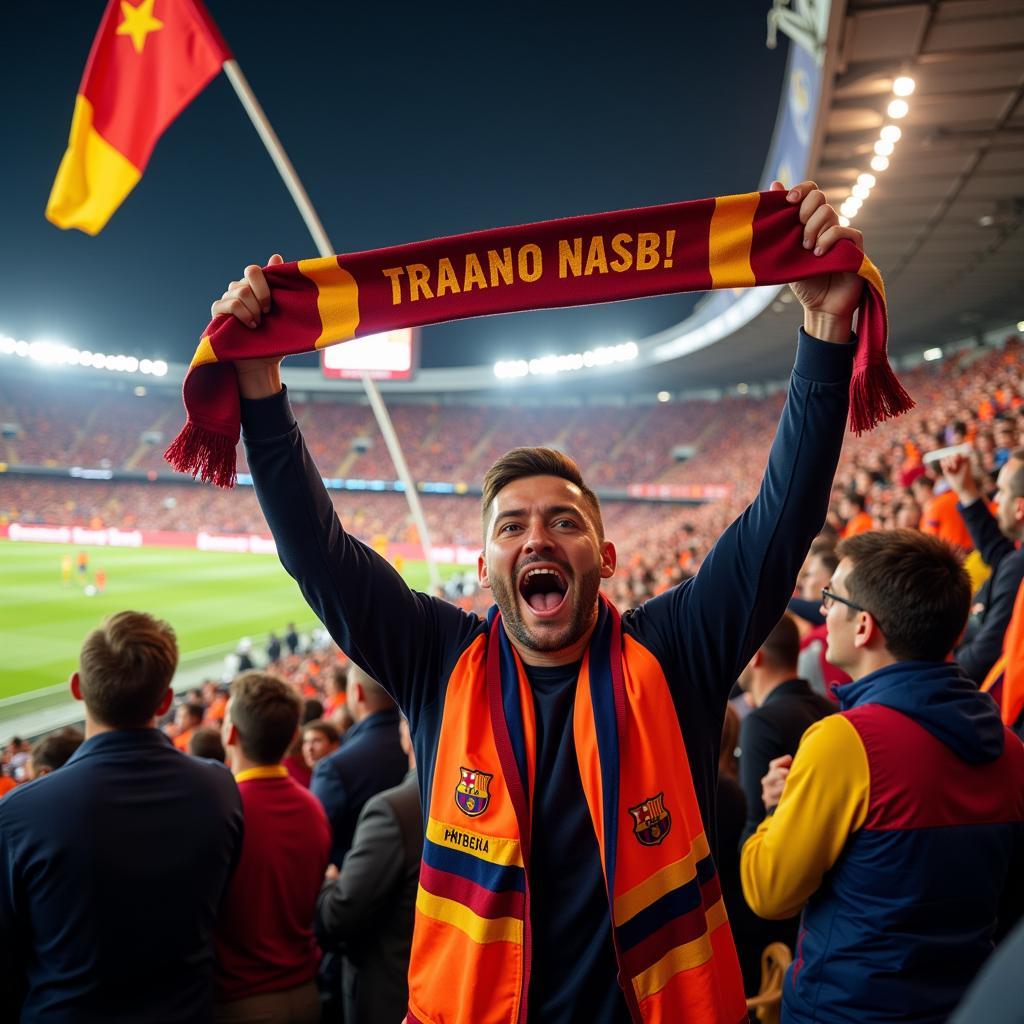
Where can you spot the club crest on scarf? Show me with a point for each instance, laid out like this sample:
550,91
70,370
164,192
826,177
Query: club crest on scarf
651,820
472,794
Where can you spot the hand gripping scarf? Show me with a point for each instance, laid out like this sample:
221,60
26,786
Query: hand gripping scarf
729,242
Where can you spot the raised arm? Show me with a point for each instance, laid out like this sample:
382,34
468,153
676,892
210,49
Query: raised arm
401,637
722,616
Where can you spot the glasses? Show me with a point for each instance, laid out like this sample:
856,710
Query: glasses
828,599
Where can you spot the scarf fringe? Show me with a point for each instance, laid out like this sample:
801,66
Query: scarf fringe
876,394
203,453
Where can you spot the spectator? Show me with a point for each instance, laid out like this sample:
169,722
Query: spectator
336,685
367,909
266,953
53,752
902,817
853,510
273,648
341,719
206,742
784,708
939,514
187,719
370,760
996,538
812,663
115,865
291,639
319,738
244,654
295,762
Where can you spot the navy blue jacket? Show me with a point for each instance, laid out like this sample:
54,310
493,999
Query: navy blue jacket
702,632
368,762
907,914
111,875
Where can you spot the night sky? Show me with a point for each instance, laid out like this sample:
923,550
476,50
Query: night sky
404,122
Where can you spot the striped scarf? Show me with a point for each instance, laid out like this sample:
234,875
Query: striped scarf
729,242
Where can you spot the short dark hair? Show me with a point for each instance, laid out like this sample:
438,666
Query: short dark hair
915,587
782,645
520,463
312,709
856,500
322,725
206,742
125,667
265,713
54,750
195,710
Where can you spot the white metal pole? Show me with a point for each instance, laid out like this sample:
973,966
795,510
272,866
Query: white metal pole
291,179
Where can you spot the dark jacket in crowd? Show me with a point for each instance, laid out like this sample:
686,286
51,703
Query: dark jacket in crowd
983,649
111,875
770,731
370,760
367,914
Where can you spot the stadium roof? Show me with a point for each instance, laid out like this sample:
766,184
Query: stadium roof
943,219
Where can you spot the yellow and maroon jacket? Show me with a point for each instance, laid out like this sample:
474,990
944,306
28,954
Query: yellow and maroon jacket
471,953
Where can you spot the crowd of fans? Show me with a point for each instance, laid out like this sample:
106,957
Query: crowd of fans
296,708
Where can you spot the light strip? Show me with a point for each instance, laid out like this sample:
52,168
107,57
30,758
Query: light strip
52,353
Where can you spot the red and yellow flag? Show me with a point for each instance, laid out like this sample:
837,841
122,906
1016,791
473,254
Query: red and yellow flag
149,60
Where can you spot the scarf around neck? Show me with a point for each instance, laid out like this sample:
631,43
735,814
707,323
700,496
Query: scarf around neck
729,242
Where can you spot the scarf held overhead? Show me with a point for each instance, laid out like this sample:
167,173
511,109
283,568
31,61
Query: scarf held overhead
730,242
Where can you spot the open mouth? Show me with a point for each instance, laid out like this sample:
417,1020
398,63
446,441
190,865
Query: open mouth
543,588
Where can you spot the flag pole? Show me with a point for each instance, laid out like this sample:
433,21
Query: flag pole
298,193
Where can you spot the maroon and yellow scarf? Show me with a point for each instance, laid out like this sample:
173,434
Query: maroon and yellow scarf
729,242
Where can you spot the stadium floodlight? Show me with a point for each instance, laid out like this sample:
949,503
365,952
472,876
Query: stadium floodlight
898,109
883,148
546,366
7,346
891,133
866,179
861,191
664,396
932,354
1020,325
879,163
159,368
903,86
844,222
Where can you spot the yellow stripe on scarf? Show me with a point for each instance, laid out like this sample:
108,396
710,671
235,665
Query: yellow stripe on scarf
732,235
337,299
479,929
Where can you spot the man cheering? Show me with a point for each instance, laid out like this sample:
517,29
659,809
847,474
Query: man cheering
568,756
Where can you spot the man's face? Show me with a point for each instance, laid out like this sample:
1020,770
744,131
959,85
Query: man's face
813,577
1009,513
841,622
316,746
544,561
183,718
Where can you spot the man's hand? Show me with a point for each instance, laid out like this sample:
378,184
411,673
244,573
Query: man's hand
957,471
774,781
332,874
829,300
247,300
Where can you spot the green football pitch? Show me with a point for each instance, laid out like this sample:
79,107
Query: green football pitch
210,599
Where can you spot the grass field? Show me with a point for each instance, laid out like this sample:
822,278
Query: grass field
210,599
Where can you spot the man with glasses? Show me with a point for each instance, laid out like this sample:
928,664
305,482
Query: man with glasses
901,821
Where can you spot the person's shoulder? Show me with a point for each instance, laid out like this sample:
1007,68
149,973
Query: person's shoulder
24,800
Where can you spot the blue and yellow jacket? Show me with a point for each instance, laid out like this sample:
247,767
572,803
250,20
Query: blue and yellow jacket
901,820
